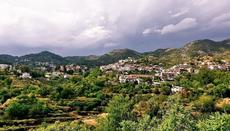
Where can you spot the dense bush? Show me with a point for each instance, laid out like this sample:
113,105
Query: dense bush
26,107
37,74
216,122
119,109
17,110
64,126
63,93
85,105
176,119
205,104
44,91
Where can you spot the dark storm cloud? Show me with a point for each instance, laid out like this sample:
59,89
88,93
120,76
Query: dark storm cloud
76,27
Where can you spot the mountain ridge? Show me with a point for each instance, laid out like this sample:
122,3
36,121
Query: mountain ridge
189,50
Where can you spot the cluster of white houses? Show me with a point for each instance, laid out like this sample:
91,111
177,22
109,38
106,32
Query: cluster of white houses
149,79
60,71
211,65
134,78
71,67
160,74
157,72
51,71
129,65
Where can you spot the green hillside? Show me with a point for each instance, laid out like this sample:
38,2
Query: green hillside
165,56
190,51
7,59
107,58
44,56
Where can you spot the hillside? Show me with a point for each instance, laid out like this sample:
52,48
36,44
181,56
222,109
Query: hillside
118,54
44,56
107,58
190,51
206,46
7,59
92,60
169,56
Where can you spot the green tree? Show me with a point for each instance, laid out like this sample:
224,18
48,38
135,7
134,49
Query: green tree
221,90
17,110
165,90
205,104
216,122
119,109
37,74
26,107
177,119
143,124
25,68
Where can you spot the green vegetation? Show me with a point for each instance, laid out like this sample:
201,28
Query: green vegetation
64,126
93,99
215,122
26,107
130,107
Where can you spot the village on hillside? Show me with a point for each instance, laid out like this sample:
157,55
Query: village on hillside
128,71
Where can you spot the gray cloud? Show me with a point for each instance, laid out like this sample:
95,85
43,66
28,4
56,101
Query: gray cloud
76,27
184,24
180,13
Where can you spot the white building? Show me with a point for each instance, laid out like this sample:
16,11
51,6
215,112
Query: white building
176,89
4,66
56,74
128,79
26,75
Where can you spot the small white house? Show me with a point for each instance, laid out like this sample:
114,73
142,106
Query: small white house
56,74
212,67
26,75
4,66
176,89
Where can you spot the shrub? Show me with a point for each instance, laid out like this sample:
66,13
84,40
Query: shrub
38,109
205,104
63,93
216,122
44,91
165,90
17,110
65,126
119,109
26,107
226,108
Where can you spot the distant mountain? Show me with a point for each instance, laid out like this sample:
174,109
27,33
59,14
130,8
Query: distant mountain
92,60
118,54
201,47
107,58
82,60
196,48
44,56
227,41
32,59
168,56
189,51
7,59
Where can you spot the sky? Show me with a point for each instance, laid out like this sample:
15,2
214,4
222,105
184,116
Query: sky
86,27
